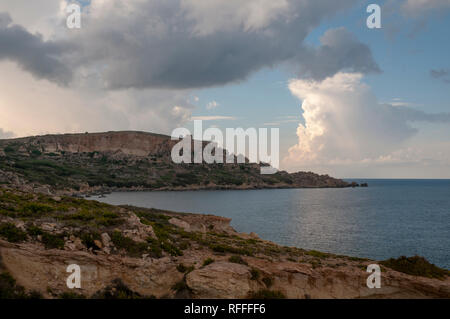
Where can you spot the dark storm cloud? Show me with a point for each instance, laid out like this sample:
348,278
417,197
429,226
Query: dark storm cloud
339,51
40,58
441,74
182,44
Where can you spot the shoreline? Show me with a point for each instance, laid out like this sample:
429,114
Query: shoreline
166,254
108,190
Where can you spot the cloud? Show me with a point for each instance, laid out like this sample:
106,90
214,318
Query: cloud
399,102
183,44
212,118
49,108
33,54
193,44
421,7
5,134
441,74
340,50
212,105
412,16
134,63
344,123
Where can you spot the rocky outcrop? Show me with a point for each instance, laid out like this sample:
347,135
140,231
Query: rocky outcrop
45,270
94,163
220,280
126,142
136,230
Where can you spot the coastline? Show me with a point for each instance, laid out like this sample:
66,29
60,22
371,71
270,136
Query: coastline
108,190
164,254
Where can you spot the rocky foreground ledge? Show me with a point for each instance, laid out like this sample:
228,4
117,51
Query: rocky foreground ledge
130,252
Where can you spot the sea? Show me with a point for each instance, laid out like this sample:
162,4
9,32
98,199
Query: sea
390,218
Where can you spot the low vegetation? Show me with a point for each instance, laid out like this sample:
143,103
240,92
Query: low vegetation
70,210
416,266
11,233
10,290
118,290
207,262
254,274
237,260
185,269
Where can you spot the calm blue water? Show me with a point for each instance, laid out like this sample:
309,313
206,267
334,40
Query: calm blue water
390,218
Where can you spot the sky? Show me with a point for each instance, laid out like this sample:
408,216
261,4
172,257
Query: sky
349,101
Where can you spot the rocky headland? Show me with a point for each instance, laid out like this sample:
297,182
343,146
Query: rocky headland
93,163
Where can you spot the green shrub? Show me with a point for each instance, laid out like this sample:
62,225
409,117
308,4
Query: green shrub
34,231
183,269
117,290
180,286
416,266
11,233
132,247
220,248
237,260
255,274
154,247
52,241
207,262
36,153
9,149
268,281
37,208
317,254
88,238
171,249
10,290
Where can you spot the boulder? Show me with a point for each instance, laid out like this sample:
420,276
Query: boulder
180,223
138,231
220,280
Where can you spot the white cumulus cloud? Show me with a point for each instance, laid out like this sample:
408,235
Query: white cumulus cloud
345,124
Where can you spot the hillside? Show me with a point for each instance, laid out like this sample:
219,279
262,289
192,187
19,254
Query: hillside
101,162
130,252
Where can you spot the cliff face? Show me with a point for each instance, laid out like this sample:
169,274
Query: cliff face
128,143
98,162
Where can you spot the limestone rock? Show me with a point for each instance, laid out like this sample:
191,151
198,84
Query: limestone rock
42,190
136,230
180,223
220,280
